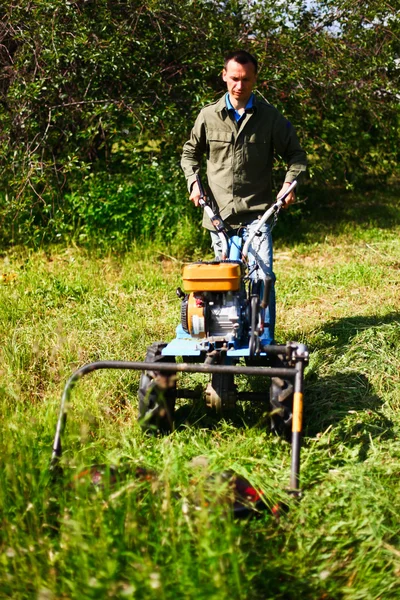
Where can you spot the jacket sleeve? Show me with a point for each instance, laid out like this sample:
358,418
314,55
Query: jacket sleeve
288,147
193,151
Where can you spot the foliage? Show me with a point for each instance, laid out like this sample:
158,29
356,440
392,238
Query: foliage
334,68
88,86
97,91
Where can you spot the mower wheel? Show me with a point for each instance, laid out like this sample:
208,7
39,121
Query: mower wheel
281,400
157,393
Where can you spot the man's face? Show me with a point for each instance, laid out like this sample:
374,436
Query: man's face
240,81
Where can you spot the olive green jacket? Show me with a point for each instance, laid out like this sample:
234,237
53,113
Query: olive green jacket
240,157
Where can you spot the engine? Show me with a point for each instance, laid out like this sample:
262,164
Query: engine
215,304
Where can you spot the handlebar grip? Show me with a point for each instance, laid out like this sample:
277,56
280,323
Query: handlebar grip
287,192
267,292
201,189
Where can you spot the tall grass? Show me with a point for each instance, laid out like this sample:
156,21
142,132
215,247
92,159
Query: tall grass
170,534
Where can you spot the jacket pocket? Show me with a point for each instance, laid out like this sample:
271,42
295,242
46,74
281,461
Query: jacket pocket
256,150
220,145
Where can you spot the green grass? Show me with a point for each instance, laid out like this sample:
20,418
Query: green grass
338,291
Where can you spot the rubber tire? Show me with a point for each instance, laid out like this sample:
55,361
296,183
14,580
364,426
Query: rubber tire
156,404
281,401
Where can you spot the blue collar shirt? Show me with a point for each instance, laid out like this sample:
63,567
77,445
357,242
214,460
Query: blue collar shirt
233,112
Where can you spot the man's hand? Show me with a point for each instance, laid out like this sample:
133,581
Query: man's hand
195,194
291,197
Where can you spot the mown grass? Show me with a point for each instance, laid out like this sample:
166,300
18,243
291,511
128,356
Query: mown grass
338,291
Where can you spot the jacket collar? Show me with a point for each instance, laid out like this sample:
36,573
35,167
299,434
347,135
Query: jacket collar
221,105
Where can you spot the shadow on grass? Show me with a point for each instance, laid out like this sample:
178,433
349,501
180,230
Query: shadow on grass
343,401
248,413
334,211
344,330
347,401
269,582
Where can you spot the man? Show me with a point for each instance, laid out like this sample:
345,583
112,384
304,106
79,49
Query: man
239,135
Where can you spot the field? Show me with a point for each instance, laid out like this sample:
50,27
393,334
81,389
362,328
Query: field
170,534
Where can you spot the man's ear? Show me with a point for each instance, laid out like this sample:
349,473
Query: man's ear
223,74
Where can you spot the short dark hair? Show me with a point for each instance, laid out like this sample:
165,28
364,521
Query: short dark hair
242,57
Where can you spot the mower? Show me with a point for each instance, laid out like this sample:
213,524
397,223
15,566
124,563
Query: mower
223,332
224,320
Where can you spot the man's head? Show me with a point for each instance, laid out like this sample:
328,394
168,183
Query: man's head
242,57
240,75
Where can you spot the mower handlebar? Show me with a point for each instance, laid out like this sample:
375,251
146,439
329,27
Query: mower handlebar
216,221
268,213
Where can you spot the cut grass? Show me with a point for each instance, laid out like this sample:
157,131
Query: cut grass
171,535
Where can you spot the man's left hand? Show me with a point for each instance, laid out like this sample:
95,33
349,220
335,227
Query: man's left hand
291,197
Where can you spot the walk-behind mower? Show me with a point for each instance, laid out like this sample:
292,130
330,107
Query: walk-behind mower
223,332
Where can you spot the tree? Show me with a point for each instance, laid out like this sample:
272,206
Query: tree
97,96
333,67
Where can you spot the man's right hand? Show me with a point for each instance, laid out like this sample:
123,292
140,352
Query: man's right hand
291,198
195,194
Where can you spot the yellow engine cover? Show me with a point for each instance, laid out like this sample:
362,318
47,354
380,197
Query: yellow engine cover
211,277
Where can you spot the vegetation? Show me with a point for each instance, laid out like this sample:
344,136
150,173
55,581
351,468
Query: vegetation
338,284
97,98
